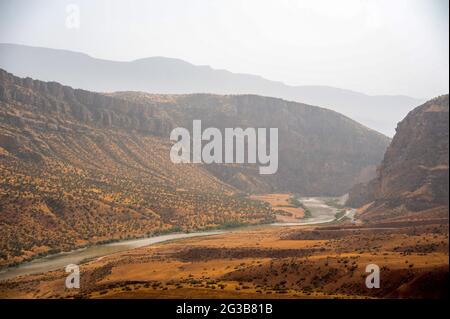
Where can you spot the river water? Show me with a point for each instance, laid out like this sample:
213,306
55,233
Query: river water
320,213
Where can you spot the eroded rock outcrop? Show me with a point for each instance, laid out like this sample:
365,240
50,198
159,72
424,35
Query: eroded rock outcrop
413,176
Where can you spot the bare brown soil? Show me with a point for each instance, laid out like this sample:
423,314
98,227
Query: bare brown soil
264,262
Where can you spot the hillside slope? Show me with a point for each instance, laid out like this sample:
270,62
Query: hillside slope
413,180
78,168
321,152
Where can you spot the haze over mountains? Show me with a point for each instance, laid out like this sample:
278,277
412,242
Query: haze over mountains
166,75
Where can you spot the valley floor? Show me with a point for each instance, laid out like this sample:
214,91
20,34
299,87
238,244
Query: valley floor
264,262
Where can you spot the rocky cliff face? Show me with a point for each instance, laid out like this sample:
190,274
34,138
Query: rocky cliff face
413,176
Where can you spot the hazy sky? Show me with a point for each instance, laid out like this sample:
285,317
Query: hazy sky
372,46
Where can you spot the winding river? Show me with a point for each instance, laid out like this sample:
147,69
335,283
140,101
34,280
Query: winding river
320,213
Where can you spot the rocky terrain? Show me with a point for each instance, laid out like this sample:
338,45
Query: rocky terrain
412,180
79,167
321,152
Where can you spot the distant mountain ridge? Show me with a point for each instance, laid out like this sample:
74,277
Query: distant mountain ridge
174,76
